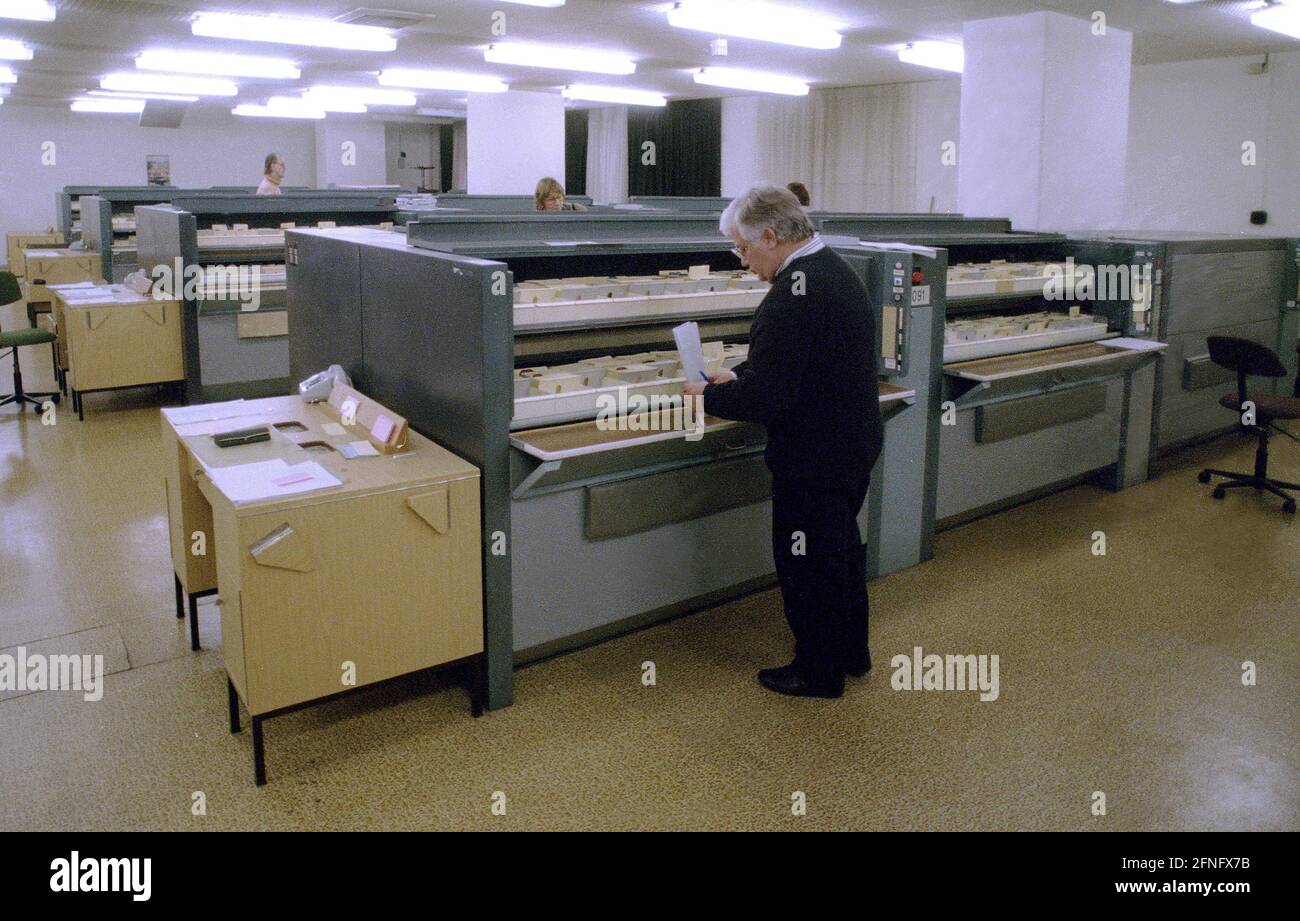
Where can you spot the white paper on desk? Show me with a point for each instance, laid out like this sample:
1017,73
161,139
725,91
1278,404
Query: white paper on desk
206,412
690,351
270,480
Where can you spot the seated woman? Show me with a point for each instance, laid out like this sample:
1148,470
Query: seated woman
550,197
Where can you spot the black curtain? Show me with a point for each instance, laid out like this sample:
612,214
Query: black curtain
446,155
687,152
575,151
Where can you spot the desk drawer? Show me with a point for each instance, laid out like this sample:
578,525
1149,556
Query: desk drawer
390,582
124,346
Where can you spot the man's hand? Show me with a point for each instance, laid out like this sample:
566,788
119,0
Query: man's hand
696,388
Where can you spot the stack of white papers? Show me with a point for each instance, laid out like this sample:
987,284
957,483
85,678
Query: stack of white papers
206,412
270,480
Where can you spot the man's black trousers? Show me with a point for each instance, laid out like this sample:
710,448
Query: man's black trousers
821,565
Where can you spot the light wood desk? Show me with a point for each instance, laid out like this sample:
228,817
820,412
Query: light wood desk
62,266
381,575
15,243
116,338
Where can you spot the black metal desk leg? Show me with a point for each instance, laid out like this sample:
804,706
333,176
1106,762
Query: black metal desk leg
180,597
81,405
259,753
234,706
194,622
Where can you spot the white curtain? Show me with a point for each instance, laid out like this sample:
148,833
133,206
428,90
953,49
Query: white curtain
607,154
460,156
855,148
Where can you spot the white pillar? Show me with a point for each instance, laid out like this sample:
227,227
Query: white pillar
1044,121
515,138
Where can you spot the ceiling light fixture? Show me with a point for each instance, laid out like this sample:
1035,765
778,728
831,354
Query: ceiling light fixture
119,94
108,106
367,96
220,65
169,83
1283,19
760,21
555,57
441,80
939,55
34,10
286,30
13,50
281,107
548,3
7,75
754,80
615,94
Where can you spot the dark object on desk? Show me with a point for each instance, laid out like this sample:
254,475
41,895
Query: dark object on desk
1259,218
242,437
1247,358
11,293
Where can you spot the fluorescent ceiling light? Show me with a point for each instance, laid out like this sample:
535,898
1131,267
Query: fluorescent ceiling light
939,55
369,96
753,80
441,113
555,57
549,3
111,106
13,50
441,80
760,21
168,83
1284,19
287,30
117,94
616,94
7,75
221,65
281,107
35,10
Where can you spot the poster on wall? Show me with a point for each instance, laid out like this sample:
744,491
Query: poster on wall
158,167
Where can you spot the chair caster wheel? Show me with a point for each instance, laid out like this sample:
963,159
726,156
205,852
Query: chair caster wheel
1204,476
56,399
1220,493
1289,507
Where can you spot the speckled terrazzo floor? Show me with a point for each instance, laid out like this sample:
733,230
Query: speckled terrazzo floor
1118,674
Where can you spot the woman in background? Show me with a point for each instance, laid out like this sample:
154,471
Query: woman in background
550,197
272,175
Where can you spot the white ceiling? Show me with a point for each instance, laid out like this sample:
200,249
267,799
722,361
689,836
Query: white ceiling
94,37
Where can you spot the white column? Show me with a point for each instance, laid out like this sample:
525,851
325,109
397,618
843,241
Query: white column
1044,121
515,138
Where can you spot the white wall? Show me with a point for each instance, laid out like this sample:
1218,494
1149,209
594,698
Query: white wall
362,163
1188,123
208,149
515,138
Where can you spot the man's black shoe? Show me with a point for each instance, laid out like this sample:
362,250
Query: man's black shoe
858,670
791,683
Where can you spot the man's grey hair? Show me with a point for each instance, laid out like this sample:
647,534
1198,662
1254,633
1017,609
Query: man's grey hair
767,206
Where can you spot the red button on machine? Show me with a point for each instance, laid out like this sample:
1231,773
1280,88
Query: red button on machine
917,277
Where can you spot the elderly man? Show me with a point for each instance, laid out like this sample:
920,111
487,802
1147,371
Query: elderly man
811,380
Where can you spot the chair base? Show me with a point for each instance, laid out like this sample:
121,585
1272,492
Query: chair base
21,397
1251,481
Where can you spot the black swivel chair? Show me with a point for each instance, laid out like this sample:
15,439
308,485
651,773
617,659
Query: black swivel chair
1248,358
13,341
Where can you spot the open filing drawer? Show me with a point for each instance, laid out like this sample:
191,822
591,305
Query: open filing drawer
597,451
1034,372
567,456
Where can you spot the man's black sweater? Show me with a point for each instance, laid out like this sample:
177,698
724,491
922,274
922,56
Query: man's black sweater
811,376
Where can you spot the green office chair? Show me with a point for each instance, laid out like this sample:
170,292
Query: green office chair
10,293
